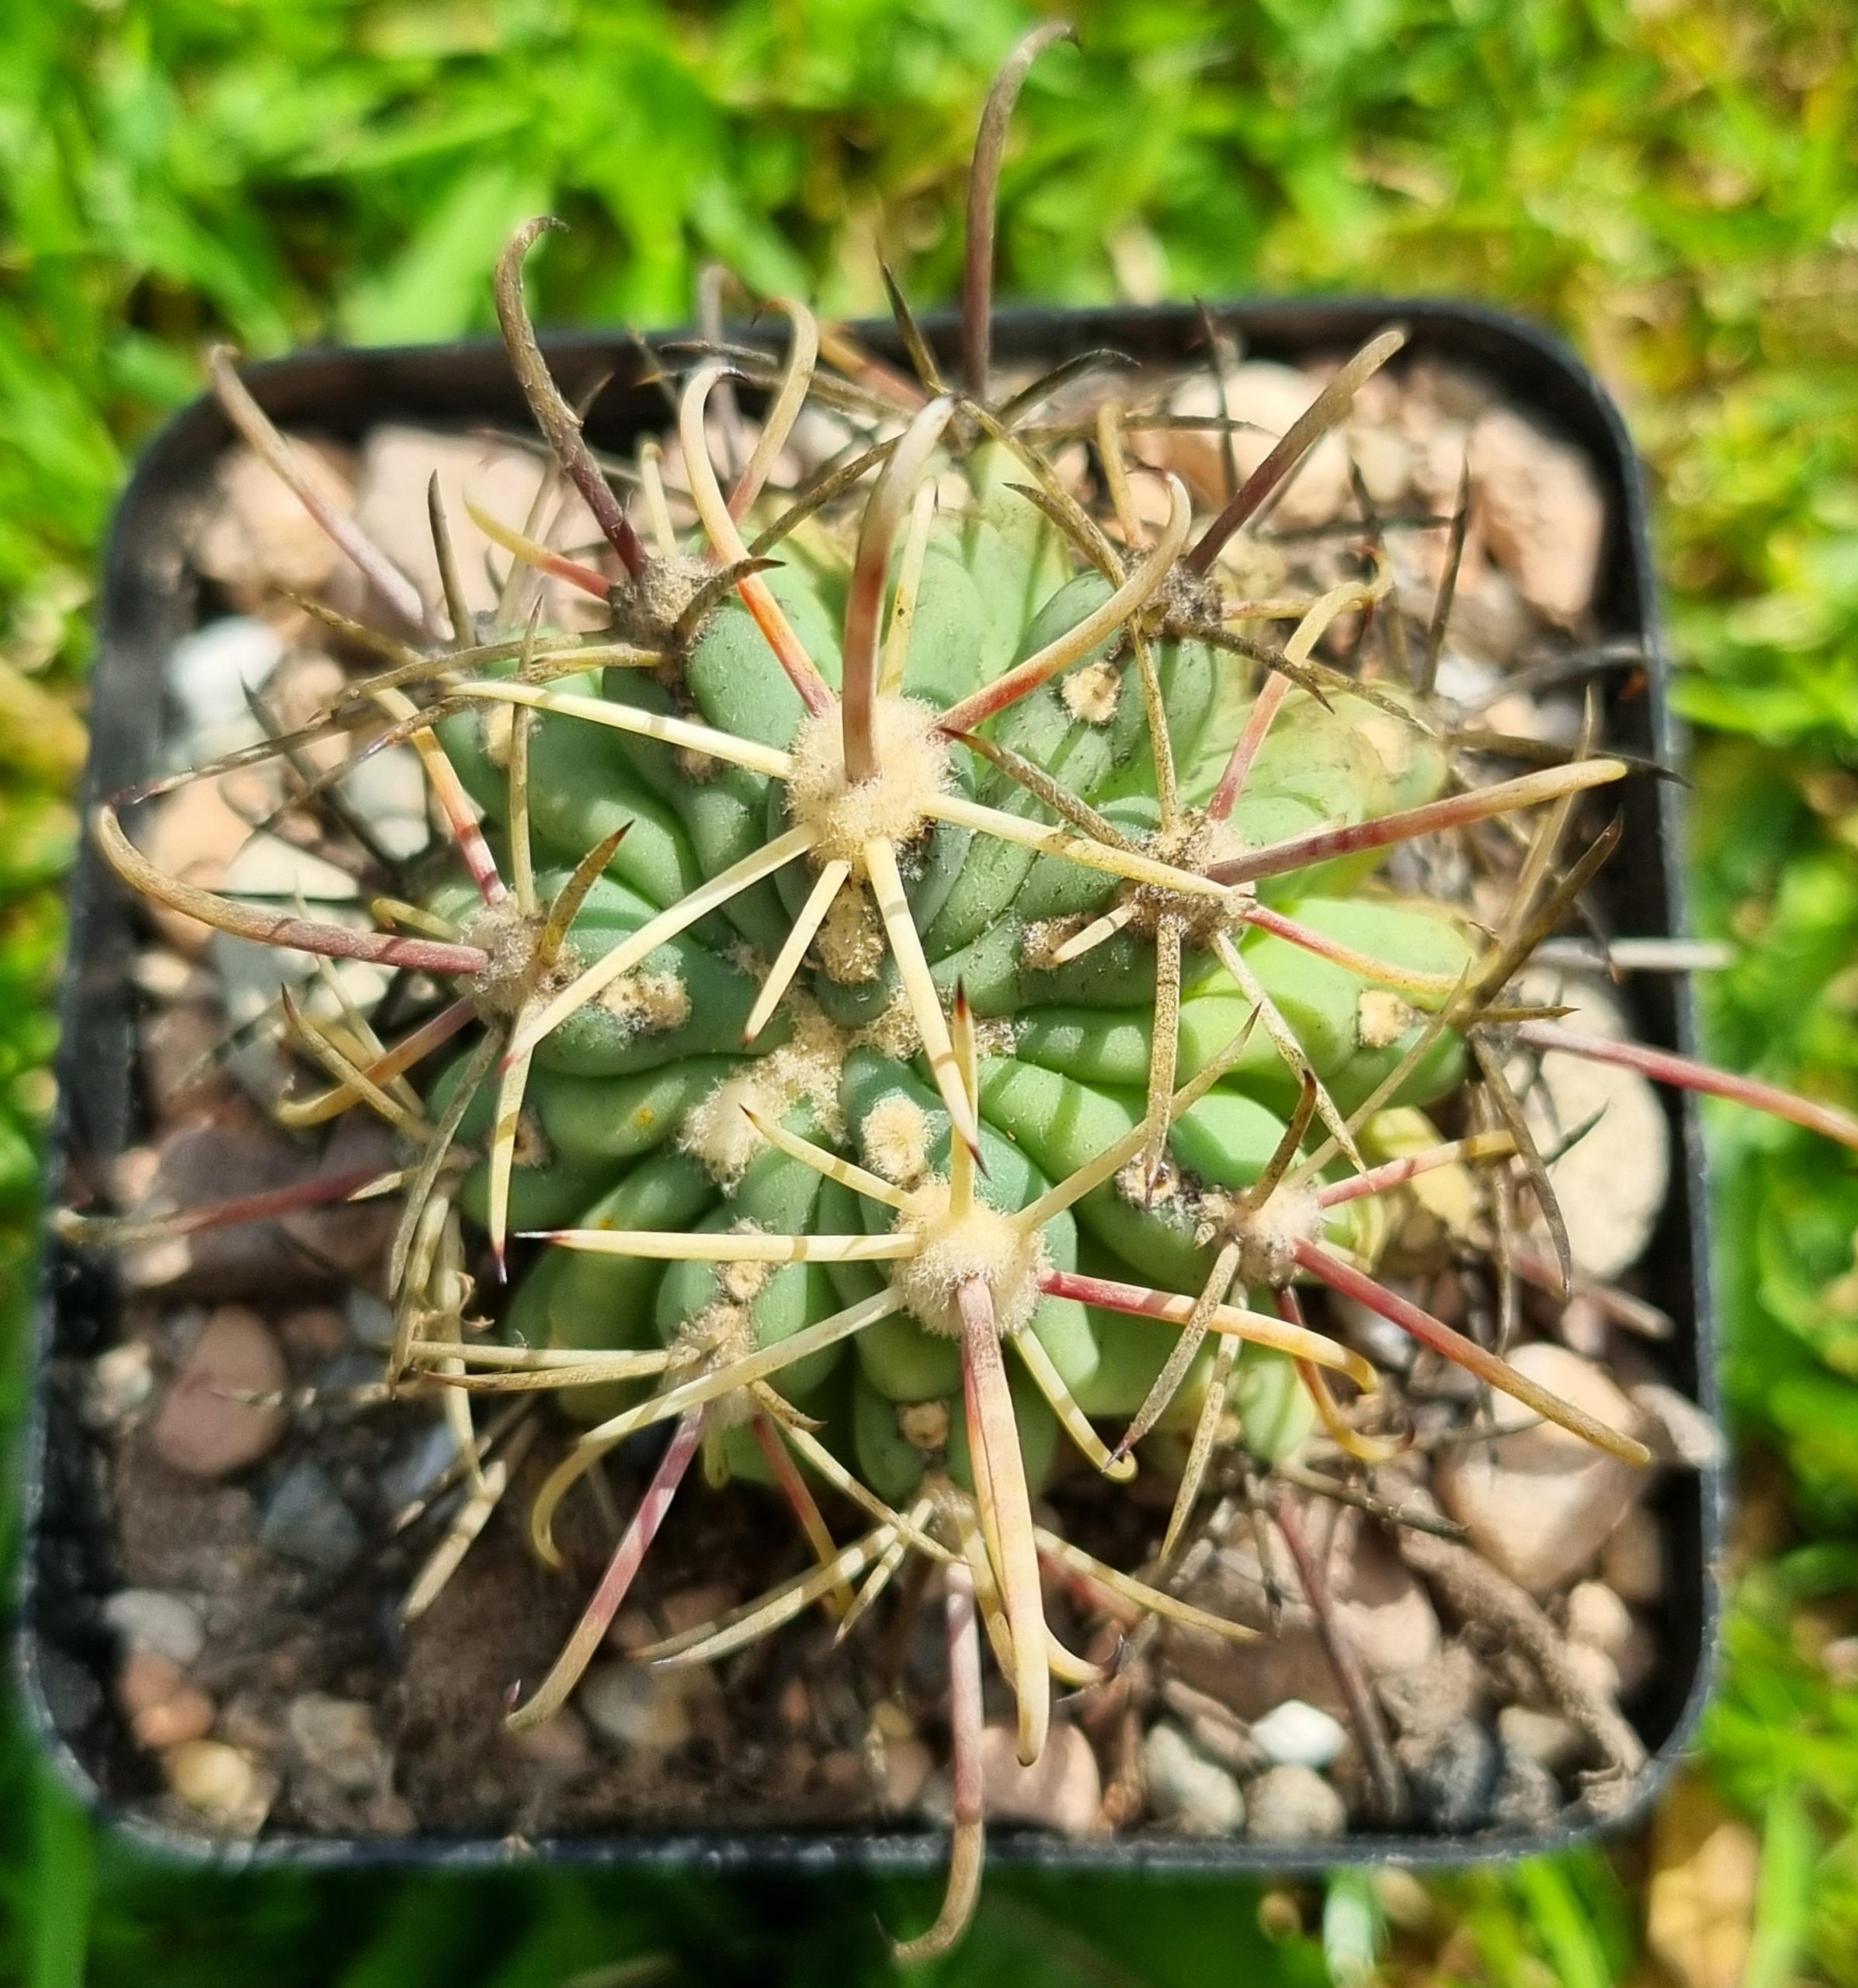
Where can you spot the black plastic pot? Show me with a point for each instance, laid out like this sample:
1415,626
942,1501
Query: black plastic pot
151,599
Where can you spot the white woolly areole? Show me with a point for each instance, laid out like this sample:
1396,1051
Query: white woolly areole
1090,694
895,1137
1381,1018
1268,1237
648,1001
953,1249
805,1068
716,1336
912,770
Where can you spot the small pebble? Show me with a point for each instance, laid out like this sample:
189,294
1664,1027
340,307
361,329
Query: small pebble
146,1619
304,1520
221,1782
336,1736
632,1629
559,1746
1597,1672
198,1429
1296,1735
1537,1502
1678,1430
643,1710
691,1607
1526,1795
388,789
907,1766
1062,1790
1612,1184
1552,1741
1187,1792
1632,1562
1597,1616
1453,1781
318,1333
1384,1609
370,1319
145,1680
121,1381
256,536
1373,1337
1536,504
1292,1805
1584,1329
187,1714
842,1773
1636,1659
1211,1727
410,1474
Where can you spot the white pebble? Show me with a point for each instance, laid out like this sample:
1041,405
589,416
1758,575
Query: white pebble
146,1619
1296,1735
210,671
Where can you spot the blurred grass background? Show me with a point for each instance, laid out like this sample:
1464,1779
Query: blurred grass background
1674,187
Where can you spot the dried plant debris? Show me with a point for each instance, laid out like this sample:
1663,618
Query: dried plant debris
899,1030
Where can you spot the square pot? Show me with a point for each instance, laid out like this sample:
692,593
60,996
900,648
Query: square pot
152,599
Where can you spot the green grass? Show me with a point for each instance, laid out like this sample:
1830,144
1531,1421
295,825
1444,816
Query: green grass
1675,187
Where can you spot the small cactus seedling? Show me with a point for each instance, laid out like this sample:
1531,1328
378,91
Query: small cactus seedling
920,983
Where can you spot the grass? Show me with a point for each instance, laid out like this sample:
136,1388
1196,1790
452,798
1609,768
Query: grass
1673,187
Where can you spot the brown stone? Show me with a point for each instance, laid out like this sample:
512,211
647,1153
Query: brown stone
187,1716
1061,1790
1539,1502
198,1429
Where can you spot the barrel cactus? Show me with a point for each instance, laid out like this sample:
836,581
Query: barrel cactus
916,993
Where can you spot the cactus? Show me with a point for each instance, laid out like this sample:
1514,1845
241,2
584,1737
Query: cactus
922,974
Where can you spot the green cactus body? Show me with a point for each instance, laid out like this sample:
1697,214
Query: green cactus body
615,1093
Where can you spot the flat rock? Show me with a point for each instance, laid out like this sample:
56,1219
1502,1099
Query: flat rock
1062,1790
258,538
193,835
1612,1182
1536,504
198,1429
1383,1607
1267,398
1539,1503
